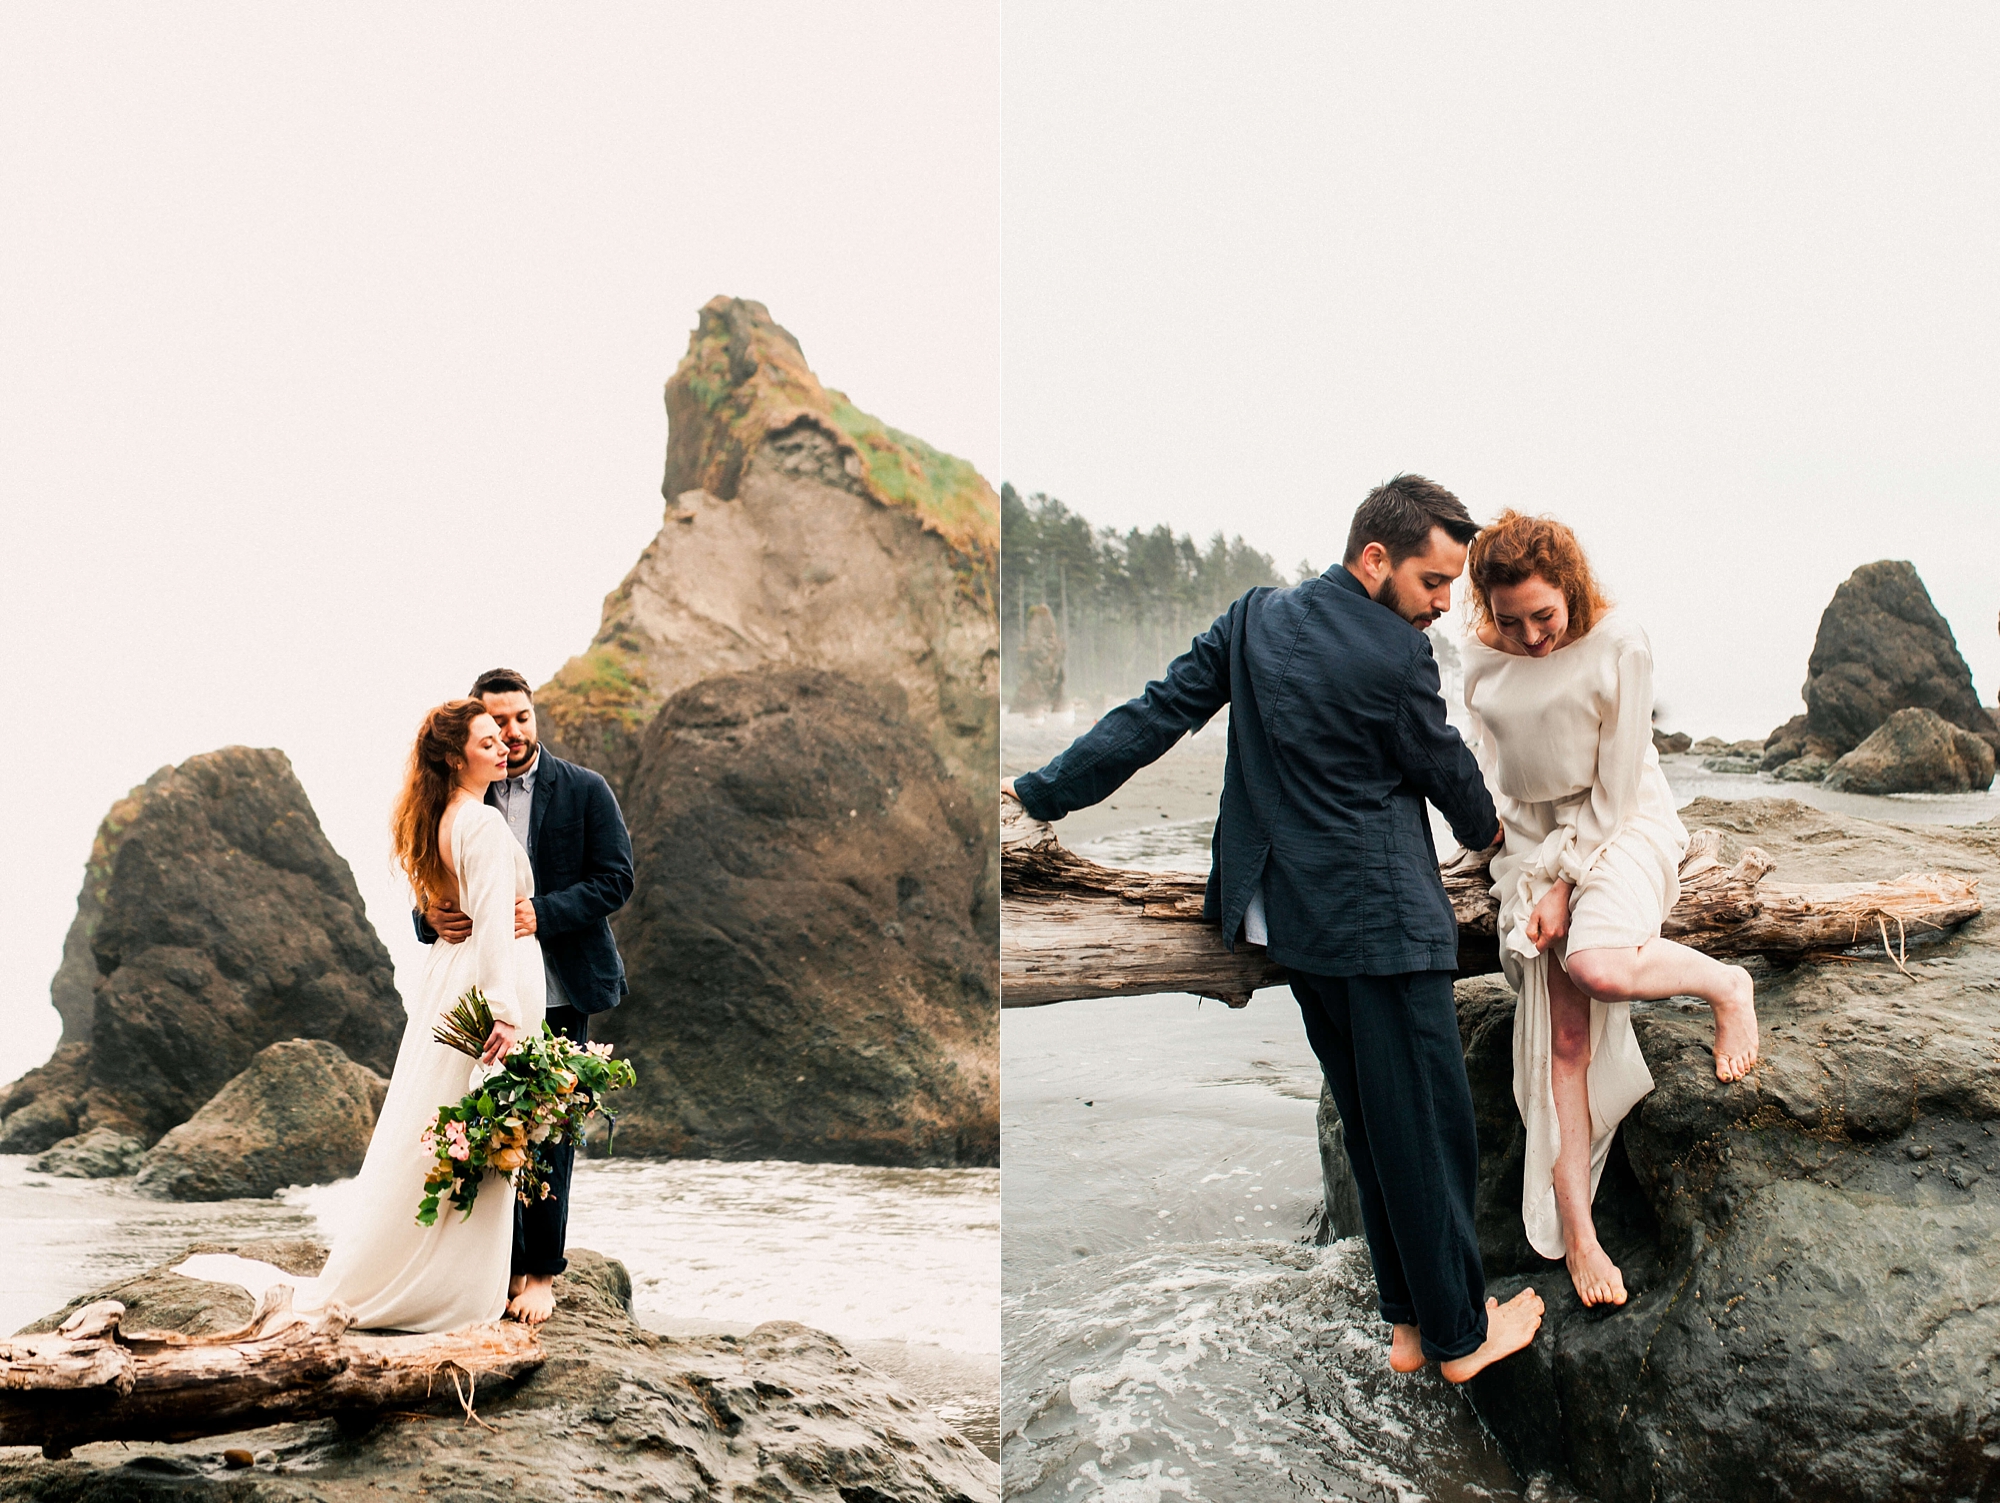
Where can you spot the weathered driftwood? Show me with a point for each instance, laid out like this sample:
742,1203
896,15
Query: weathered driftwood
91,1380
1071,928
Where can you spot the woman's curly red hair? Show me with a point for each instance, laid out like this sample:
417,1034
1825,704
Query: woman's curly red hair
1517,547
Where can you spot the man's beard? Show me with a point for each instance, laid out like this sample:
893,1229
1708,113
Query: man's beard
527,756
1390,597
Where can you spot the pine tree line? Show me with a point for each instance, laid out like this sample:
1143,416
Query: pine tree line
1124,605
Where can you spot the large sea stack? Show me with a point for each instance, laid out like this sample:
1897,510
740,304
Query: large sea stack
1882,647
215,919
795,694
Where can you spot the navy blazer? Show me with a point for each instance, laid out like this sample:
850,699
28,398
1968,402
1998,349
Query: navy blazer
1337,735
582,859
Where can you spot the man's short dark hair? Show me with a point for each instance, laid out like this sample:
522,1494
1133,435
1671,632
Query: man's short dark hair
500,681
1400,516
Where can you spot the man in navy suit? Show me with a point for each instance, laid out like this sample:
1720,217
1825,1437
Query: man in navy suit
1323,854
567,818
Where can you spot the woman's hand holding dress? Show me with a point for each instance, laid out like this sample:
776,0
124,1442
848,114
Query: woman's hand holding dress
1550,920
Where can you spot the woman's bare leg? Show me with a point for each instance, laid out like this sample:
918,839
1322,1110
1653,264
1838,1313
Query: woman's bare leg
1661,968
1597,1279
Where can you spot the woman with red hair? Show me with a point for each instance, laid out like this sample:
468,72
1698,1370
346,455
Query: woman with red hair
1560,687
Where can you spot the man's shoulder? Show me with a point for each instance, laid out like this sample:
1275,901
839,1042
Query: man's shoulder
575,776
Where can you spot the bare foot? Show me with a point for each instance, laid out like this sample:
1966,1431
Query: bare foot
1406,1349
1736,1027
534,1299
1597,1279
1509,1327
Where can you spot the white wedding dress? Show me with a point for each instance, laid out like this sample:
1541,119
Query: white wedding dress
1566,743
388,1271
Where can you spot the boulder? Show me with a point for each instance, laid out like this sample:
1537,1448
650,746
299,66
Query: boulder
218,920
809,976
301,1114
1810,1252
1671,744
101,1153
1802,769
784,1414
803,536
1915,751
1791,741
1883,647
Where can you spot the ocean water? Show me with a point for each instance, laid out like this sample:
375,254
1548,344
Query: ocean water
1171,1330
900,1264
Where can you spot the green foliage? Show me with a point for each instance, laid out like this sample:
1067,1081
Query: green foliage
543,1092
1125,604
908,472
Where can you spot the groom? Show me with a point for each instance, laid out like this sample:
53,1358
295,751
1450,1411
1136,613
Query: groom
567,819
1323,854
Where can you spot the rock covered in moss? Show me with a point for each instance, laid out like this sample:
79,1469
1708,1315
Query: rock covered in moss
220,921
784,1414
802,537
301,1114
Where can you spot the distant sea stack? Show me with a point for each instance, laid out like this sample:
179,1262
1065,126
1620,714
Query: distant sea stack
215,919
1882,647
795,692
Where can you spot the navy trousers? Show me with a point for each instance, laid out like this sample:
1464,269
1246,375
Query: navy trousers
1389,1046
541,1230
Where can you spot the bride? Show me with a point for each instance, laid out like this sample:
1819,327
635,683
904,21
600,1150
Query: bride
1560,688
388,1271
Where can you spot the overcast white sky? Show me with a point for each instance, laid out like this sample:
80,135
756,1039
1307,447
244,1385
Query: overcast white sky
1715,283
333,343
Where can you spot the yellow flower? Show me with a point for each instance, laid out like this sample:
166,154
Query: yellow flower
507,1160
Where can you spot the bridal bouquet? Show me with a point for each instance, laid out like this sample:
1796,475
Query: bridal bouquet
541,1093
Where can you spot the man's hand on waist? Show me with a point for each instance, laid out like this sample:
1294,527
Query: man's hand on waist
453,926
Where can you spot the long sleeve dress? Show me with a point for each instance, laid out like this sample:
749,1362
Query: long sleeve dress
390,1272
1566,743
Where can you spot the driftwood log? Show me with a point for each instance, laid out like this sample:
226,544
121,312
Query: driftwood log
1071,928
90,1380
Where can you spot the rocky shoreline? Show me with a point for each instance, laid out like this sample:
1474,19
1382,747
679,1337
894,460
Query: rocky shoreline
615,1412
1812,1252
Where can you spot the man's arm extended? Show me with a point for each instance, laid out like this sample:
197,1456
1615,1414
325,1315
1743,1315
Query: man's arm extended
606,882
1436,758
1091,768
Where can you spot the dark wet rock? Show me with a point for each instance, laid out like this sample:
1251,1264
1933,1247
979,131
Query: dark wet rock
1883,647
101,1153
1730,763
809,976
1915,751
1791,741
41,1108
616,1412
301,1114
1811,1253
1342,1216
219,921
1803,769
1669,744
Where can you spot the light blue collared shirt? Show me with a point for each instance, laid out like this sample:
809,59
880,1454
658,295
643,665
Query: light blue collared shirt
515,799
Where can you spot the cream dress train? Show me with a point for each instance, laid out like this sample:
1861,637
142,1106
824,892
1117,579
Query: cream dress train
1566,743
391,1273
